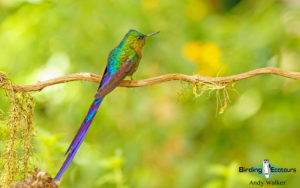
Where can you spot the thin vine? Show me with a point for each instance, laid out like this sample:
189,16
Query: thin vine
16,135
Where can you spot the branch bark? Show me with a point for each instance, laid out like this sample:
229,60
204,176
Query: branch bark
159,79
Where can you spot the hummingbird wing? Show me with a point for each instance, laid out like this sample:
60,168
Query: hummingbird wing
108,83
115,80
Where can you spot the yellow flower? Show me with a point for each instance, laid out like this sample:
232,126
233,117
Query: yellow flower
207,57
149,4
191,51
211,52
195,10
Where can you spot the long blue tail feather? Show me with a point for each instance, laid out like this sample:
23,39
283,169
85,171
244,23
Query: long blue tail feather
79,136
74,146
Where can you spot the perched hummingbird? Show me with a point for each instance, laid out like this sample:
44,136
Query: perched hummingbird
122,61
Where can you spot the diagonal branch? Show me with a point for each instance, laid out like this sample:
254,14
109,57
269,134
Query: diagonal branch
159,79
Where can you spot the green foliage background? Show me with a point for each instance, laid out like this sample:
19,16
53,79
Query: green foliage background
161,135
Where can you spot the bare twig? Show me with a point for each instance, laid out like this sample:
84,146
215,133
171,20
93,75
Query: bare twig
159,79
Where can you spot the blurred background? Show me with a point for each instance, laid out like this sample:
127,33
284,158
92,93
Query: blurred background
160,135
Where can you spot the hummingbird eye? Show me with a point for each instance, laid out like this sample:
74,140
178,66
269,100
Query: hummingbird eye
139,37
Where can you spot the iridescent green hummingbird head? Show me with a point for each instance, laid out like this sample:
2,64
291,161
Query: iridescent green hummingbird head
136,40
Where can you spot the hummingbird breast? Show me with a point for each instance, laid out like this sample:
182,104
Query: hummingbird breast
140,54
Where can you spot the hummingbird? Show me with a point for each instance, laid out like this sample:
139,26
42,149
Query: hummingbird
122,61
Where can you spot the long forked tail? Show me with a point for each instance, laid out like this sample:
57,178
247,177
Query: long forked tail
79,136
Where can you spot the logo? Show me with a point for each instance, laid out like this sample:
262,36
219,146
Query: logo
266,170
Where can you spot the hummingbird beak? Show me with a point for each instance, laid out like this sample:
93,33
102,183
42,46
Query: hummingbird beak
152,34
